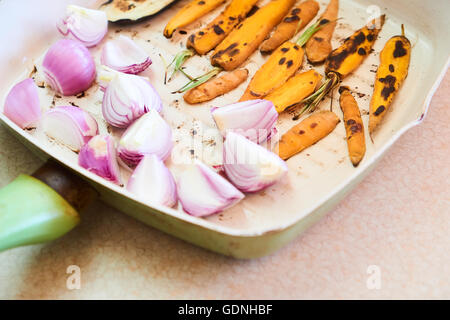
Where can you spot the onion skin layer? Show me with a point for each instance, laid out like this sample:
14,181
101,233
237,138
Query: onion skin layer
69,67
22,104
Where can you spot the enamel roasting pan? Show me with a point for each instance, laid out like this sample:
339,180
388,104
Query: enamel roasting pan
318,178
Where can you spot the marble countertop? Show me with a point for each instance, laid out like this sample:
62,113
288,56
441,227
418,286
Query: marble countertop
388,239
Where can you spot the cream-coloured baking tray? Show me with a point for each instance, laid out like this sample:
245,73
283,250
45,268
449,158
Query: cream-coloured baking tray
318,178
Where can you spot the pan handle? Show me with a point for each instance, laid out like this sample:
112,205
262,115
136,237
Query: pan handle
42,207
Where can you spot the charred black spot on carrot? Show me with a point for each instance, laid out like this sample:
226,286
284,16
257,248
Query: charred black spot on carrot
292,18
182,32
391,68
400,50
201,33
201,3
379,111
370,37
285,49
356,128
290,63
324,21
318,39
282,61
233,53
301,132
389,88
313,125
252,11
362,51
351,122
218,30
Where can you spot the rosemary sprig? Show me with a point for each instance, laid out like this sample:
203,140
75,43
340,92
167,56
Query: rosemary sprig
313,100
178,62
199,80
303,39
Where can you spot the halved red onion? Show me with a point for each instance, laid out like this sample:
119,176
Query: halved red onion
69,67
128,97
150,134
99,157
70,126
85,25
124,55
255,119
249,166
22,104
203,192
153,182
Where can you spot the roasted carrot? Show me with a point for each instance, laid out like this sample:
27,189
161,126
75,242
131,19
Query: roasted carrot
190,13
354,126
281,65
295,21
209,37
348,57
294,90
319,47
392,72
216,87
249,34
344,60
306,133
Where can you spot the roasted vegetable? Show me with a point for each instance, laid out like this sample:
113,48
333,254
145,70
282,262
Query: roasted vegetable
344,60
294,90
295,21
354,126
281,65
393,70
209,37
306,133
190,13
132,10
319,47
249,34
216,87
348,57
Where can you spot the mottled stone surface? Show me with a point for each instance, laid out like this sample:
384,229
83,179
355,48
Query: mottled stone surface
398,219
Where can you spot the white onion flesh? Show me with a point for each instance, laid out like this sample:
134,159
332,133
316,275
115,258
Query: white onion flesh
203,192
70,126
127,98
153,183
124,55
148,135
87,26
249,166
254,119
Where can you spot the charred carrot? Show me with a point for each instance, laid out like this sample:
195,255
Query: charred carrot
354,126
319,47
190,13
392,72
249,34
348,57
209,37
295,21
344,60
295,90
281,65
306,133
216,87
